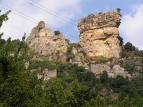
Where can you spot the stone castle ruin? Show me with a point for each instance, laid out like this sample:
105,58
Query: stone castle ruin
98,37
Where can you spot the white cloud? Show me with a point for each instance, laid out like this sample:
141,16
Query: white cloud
25,15
132,26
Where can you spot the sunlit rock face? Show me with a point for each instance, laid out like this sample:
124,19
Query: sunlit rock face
112,72
99,35
44,43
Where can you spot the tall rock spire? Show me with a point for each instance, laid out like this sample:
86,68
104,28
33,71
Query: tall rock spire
99,35
44,43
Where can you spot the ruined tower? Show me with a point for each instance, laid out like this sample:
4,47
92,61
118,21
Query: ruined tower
99,35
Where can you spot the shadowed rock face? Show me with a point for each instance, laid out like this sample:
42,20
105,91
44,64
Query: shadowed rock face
99,35
44,43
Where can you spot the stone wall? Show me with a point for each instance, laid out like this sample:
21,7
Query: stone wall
99,35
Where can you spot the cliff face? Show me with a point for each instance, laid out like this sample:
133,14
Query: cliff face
44,43
99,35
99,41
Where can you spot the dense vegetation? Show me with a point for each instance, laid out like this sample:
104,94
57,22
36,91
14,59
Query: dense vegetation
130,50
74,87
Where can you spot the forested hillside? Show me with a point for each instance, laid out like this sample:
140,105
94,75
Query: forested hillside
74,86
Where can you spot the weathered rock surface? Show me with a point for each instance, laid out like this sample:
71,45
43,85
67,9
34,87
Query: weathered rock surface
130,68
112,72
99,35
47,74
78,55
44,43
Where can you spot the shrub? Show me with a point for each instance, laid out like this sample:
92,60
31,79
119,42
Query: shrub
69,53
101,59
42,64
129,67
57,32
129,47
121,40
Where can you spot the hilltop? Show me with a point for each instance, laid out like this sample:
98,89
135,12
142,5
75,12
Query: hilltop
100,47
46,70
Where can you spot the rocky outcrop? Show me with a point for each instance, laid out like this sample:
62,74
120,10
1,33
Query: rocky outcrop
44,43
47,74
99,35
112,72
99,39
131,68
77,55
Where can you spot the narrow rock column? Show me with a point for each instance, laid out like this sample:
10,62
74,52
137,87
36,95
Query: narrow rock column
99,35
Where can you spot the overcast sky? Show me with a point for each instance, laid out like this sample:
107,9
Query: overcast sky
63,15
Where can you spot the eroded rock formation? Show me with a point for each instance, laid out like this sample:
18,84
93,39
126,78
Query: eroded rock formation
77,55
112,72
44,43
99,35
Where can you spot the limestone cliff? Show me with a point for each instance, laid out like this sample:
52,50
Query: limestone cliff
99,42
44,43
77,55
99,35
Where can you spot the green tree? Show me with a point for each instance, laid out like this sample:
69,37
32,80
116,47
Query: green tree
129,47
67,91
18,86
57,32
